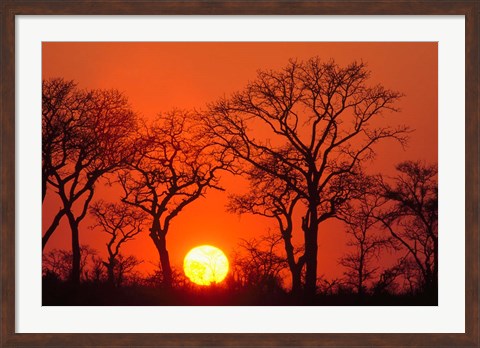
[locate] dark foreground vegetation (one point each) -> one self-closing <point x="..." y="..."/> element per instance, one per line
<point x="57" y="293"/>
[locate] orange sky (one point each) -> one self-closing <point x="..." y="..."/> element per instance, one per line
<point x="160" y="76"/>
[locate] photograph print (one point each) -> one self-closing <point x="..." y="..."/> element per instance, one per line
<point x="239" y="174"/>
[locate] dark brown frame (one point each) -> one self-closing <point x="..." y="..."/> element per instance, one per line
<point x="10" y="8"/>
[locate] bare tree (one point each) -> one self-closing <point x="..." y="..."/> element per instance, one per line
<point x="86" y="136"/>
<point x="59" y="262"/>
<point x="412" y="219"/>
<point x="388" y="281"/>
<point x="97" y="270"/>
<point x="58" y="99"/>
<point x="260" y="264"/>
<point x="175" y="165"/>
<point x="122" y="223"/>
<point x="317" y="120"/>
<point x="270" y="197"/>
<point x="329" y="287"/>
<point x="124" y="267"/>
<point x="366" y="238"/>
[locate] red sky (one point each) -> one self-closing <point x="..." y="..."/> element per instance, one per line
<point x="157" y="77"/>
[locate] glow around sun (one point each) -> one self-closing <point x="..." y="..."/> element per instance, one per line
<point x="205" y="265"/>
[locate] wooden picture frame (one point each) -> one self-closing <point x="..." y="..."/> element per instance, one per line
<point x="10" y="9"/>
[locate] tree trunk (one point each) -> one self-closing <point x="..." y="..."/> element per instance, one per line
<point x="431" y="289"/>
<point x="295" y="267"/>
<point x="75" y="272"/>
<point x="296" y="280"/>
<point x="310" y="230"/>
<point x="311" y="250"/>
<point x="360" y="278"/>
<point x="159" y="239"/>
<point x="111" y="274"/>
<point x="44" y="185"/>
<point x="435" y="266"/>
<point x="119" y="279"/>
<point x="52" y="228"/>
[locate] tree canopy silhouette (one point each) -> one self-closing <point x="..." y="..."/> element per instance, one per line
<point x="175" y="164"/>
<point x="315" y="121"/>
<point x="122" y="223"/>
<point x="85" y="135"/>
<point x="271" y="197"/>
<point x="259" y="264"/>
<point x="412" y="219"/>
<point x="58" y="262"/>
<point x="367" y="239"/>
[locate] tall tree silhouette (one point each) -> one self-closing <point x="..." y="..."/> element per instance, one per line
<point x="175" y="165"/>
<point x="270" y="197"/>
<point x="59" y="102"/>
<point x="413" y="217"/>
<point x="122" y="223"/>
<point x="317" y="120"/>
<point x="58" y="99"/>
<point x="86" y="135"/>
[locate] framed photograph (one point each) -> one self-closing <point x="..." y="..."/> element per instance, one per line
<point x="236" y="173"/>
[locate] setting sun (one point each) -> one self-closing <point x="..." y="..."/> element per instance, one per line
<point x="205" y="265"/>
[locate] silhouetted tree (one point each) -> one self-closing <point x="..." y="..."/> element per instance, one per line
<point x="97" y="271"/>
<point x="59" y="102"/>
<point x="155" y="278"/>
<point x="175" y="165"/>
<point x="95" y="128"/>
<point x="329" y="287"/>
<point x="270" y="197"/>
<point x="122" y="223"/>
<point x="316" y="120"/>
<point x="59" y="262"/>
<point x="58" y="98"/>
<point x="365" y="237"/>
<point x="123" y="267"/>
<point x="413" y="217"/>
<point x="259" y="264"/>
<point x="387" y="281"/>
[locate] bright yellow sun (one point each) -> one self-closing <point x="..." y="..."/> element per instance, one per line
<point x="205" y="265"/>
